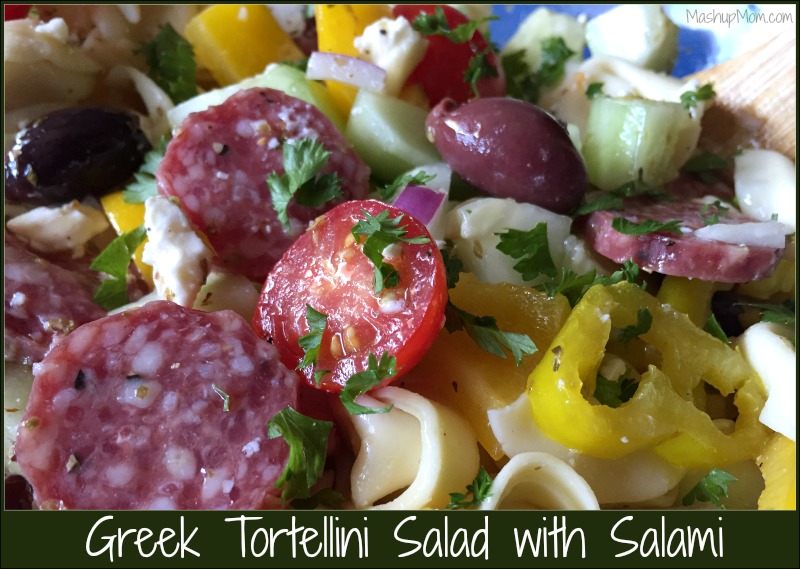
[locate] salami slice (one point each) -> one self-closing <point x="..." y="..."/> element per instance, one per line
<point x="43" y="301"/>
<point x="124" y="414"/>
<point x="218" y="163"/>
<point x="684" y="254"/>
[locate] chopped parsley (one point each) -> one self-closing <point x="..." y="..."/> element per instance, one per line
<point x="555" y="54"/>
<point x="705" y="165"/>
<point x="302" y="161"/>
<point x="171" y="64"/>
<point x="710" y="213"/>
<point x="614" y="393"/>
<point x="436" y="24"/>
<point x="629" y="227"/>
<point x="477" y="492"/>
<point x="689" y="99"/>
<point x="382" y="231"/>
<point x="711" y="488"/>
<point x="479" y="67"/>
<point x="525" y="84"/>
<point x="388" y="191"/>
<point x="532" y="250"/>
<point x="226" y="399"/>
<point x="301" y="64"/>
<point x="613" y="200"/>
<point x="643" y="322"/>
<point x="114" y="260"/>
<point x="308" y="444"/>
<point x="145" y="185"/>
<point x="310" y="342"/>
<point x="604" y="202"/>
<point x="573" y="285"/>
<point x="452" y="267"/>
<point x="361" y="382"/>
<point x="594" y="90"/>
<point x="713" y="327"/>
<point x="484" y="331"/>
<point x="775" y="313"/>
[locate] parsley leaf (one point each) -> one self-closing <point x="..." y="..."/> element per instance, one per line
<point x="525" y="84"/>
<point x="712" y="327"/>
<point x="388" y="191"/>
<point x="308" y="445"/>
<point x="777" y="313"/>
<point x="310" y="342"/>
<point x="145" y="184"/>
<point x="114" y="260"/>
<point x="647" y="226"/>
<point x="710" y="213"/>
<point x="711" y="488"/>
<point x="594" y="90"/>
<point x="614" y="393"/>
<point x="327" y="498"/>
<point x="382" y="231"/>
<point x="613" y="200"/>
<point x="302" y="161"/>
<point x="301" y="64"/>
<point x="436" y="24"/>
<point x="604" y="202"/>
<point x="555" y="54"/>
<point x="361" y="382"/>
<point x="704" y="165"/>
<point x="571" y="285"/>
<point x="479" y="67"/>
<point x="452" y="267"/>
<point x="643" y="322"/>
<point x="689" y="99"/>
<point x="170" y="59"/>
<point x="629" y="272"/>
<point x="479" y="490"/>
<point x="226" y="399"/>
<point x="483" y="330"/>
<point x="532" y="250"/>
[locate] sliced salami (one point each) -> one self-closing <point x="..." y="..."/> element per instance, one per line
<point x="129" y="412"/>
<point x="684" y="254"/>
<point x="43" y="301"/>
<point x="218" y="163"/>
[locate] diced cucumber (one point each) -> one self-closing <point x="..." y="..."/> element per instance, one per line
<point x="284" y="78"/>
<point x="389" y="135"/>
<point x="649" y="40"/>
<point x="626" y="138"/>
<point x="540" y="25"/>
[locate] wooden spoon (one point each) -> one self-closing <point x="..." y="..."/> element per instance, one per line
<point x="756" y="102"/>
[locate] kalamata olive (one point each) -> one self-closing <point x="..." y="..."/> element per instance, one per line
<point x="71" y="153"/>
<point x="18" y="493"/>
<point x="509" y="149"/>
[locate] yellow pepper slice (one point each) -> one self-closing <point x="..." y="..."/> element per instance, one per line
<point x="778" y="465"/>
<point x="662" y="414"/>
<point x="123" y="217"/>
<point x="337" y="26"/>
<point x="236" y="41"/>
<point x="690" y="296"/>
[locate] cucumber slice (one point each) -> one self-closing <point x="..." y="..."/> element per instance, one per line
<point x="650" y="39"/>
<point x="389" y="135"/>
<point x="281" y="77"/>
<point x="628" y="138"/>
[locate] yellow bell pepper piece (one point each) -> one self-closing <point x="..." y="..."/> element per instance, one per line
<point x="236" y="41"/>
<point x="779" y="468"/>
<point x="123" y="217"/>
<point x="337" y="26"/>
<point x="690" y="296"/>
<point x="661" y="415"/>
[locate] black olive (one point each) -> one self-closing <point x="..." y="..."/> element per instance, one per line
<point x="18" y="493"/>
<point x="71" y="153"/>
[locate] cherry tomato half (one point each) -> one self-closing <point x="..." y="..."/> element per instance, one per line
<point x="15" y="11"/>
<point x="327" y="269"/>
<point x="441" y="71"/>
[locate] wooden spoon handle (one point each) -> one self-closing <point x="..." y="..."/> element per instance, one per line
<point x="756" y="102"/>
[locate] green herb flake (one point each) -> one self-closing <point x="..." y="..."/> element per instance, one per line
<point x="532" y="250"/>
<point x="485" y="333"/>
<point x="711" y="488"/>
<point x="643" y="322"/>
<point x="479" y="67"/>
<point x="452" y="266"/>
<point x="301" y="64"/>
<point x="521" y="82"/>
<point x="477" y="492"/>
<point x="382" y="231"/>
<point x="614" y="393"/>
<point x="114" y="260"/>
<point x="310" y="343"/>
<point x="361" y="382"/>
<point x="226" y="399"/>
<point x="776" y="313"/>
<point x="171" y="64"/>
<point x="712" y="327"/>
<point x="710" y="213"/>
<point x="604" y="202"/>
<point x="555" y="54"/>
<point x="436" y="24"/>
<point x="705" y="165"/>
<point x="387" y="192"/>
<point x="645" y="227"/>
<point x="308" y="445"/>
<point x="594" y="90"/>
<point x="302" y="161"/>
<point x="571" y="285"/>
<point x="689" y="99"/>
<point x="145" y="185"/>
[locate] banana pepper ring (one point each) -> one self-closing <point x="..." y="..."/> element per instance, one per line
<point x="663" y="414"/>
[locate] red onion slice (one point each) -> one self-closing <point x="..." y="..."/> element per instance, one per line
<point x="351" y="70"/>
<point x="423" y="204"/>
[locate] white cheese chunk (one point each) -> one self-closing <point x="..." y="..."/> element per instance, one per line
<point x="58" y="229"/>
<point x="766" y="184"/>
<point x="179" y="258"/>
<point x="394" y="45"/>
<point x="756" y="234"/>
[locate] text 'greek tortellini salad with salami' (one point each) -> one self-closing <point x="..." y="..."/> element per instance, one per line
<point x="361" y="256"/>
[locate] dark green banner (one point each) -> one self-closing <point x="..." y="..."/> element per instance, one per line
<point x="400" y="539"/>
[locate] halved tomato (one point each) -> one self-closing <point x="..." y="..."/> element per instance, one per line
<point x="327" y="269"/>
<point x="15" y="11"/>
